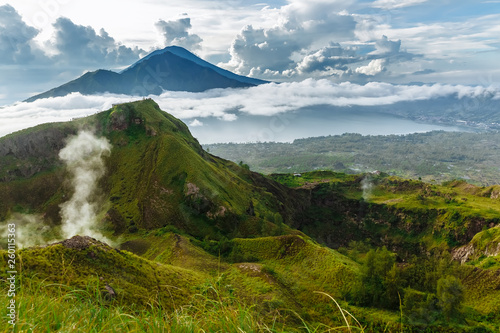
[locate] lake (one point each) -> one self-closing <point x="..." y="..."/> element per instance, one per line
<point x="308" y="122"/>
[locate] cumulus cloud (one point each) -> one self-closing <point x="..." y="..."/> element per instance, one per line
<point x="314" y="39"/>
<point x="386" y="46"/>
<point x="29" y="65"/>
<point x="78" y="44"/>
<point x="391" y="50"/>
<point x="257" y="50"/>
<point x="16" y="38"/>
<point x="373" y="68"/>
<point x="175" y="32"/>
<point x="226" y="104"/>
<point x="327" y="58"/>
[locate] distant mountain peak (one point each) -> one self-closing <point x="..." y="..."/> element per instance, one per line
<point x="171" y="68"/>
<point x="147" y="57"/>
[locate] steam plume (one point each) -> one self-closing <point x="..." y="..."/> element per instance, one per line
<point x="83" y="156"/>
<point x="30" y="230"/>
<point x="367" y="187"/>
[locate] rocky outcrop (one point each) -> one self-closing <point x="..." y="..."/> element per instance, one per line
<point x="22" y="156"/>
<point x="492" y="250"/>
<point x="42" y="143"/>
<point x="82" y="242"/>
<point x="471" y="252"/>
<point x="464" y="253"/>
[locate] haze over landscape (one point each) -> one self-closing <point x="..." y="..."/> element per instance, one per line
<point x="244" y="166"/>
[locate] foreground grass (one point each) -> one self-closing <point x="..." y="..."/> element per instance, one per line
<point x="45" y="307"/>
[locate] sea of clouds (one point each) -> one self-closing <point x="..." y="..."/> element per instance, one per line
<point x="263" y="100"/>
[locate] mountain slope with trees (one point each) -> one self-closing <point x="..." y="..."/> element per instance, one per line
<point x="199" y="242"/>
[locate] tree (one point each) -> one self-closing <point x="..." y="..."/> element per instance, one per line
<point x="244" y="165"/>
<point x="420" y="307"/>
<point x="380" y="280"/>
<point x="450" y="293"/>
<point x="393" y="283"/>
<point x="278" y="220"/>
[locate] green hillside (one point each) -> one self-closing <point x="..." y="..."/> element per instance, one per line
<point x="157" y="176"/>
<point x="199" y="243"/>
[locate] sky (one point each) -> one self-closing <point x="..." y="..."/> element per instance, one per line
<point x="312" y="44"/>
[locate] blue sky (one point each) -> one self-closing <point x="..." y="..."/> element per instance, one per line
<point x="46" y="43"/>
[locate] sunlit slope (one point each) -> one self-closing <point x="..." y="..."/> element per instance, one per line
<point x="408" y="216"/>
<point x="277" y="288"/>
<point x="157" y="175"/>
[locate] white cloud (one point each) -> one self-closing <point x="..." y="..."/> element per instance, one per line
<point x="386" y="46"/>
<point x="268" y="100"/>
<point x="16" y="38"/>
<point x="333" y="56"/>
<point x="79" y="45"/>
<point x="300" y="26"/>
<point x="394" y="4"/>
<point x="373" y="68"/>
<point x="441" y="40"/>
<point x="196" y="123"/>
<point x="175" y="32"/>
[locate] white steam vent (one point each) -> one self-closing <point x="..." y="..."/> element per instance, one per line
<point x="367" y="187"/>
<point x="83" y="156"/>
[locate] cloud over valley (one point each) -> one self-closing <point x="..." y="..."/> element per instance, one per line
<point x="229" y="104"/>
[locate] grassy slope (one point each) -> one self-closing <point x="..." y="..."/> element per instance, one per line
<point x="400" y="211"/>
<point x="279" y="285"/>
<point x="412" y="217"/>
<point x="154" y="160"/>
<point x="158" y="175"/>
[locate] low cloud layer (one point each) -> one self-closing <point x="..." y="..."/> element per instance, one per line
<point x="227" y="103"/>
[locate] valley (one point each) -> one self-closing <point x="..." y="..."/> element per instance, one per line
<point x="434" y="157"/>
<point x="197" y="242"/>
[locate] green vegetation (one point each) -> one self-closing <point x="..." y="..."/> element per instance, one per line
<point x="157" y="175"/>
<point x="434" y="156"/>
<point x="213" y="309"/>
<point x="205" y="244"/>
<point x="67" y="285"/>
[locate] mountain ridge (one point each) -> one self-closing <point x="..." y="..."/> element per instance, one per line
<point x="155" y="159"/>
<point x="183" y="53"/>
<point x="172" y="68"/>
<point x="185" y="219"/>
